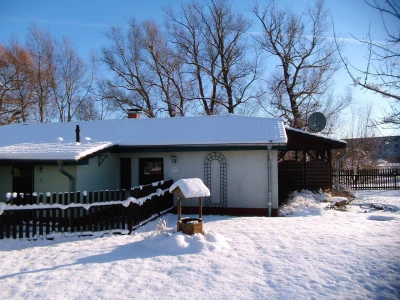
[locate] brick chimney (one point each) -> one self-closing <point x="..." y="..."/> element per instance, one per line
<point x="133" y="113"/>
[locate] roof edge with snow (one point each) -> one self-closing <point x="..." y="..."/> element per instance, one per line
<point x="325" y="142"/>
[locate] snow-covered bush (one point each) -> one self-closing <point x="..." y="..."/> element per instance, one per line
<point x="161" y="227"/>
<point x="344" y="191"/>
<point x="305" y="203"/>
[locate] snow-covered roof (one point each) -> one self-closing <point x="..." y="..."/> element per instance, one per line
<point x="51" y="151"/>
<point x="191" y="187"/>
<point x="315" y="135"/>
<point x="56" y="141"/>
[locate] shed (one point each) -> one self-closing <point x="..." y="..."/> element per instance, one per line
<point x="305" y="162"/>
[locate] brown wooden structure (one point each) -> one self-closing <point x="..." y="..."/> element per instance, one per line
<point x="92" y="212"/>
<point x="188" y="225"/>
<point x="305" y="162"/>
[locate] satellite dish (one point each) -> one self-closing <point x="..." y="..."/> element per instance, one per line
<point x="317" y="121"/>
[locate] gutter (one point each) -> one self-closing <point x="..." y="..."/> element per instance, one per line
<point x="269" y="170"/>
<point x="70" y="177"/>
<point x="203" y="145"/>
<point x="337" y="168"/>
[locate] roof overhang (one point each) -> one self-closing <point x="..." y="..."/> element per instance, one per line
<point x="196" y="147"/>
<point x="302" y="140"/>
<point x="146" y="148"/>
<point x="83" y="160"/>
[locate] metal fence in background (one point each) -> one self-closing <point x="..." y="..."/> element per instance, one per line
<point x="369" y="179"/>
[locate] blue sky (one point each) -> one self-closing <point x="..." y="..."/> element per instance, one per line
<point x="83" y="21"/>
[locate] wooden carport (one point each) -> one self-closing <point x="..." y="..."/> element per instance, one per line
<point x="305" y="162"/>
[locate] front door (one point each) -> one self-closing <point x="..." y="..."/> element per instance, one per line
<point x="125" y="173"/>
<point x="22" y="179"/>
<point x="151" y="170"/>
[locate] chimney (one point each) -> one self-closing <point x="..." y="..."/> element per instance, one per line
<point x="133" y="113"/>
<point x="78" y="134"/>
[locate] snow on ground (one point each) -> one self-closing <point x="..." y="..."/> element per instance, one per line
<point x="314" y="253"/>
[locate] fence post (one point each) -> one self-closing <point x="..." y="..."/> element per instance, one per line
<point x="96" y="209"/>
<point x="47" y="214"/>
<point x="124" y="211"/>
<point x="107" y="210"/>
<point x="101" y="211"/>
<point x="72" y="212"/>
<point x="67" y="212"/>
<point x="2" y="226"/>
<point x="90" y="222"/>
<point x="80" y="213"/>
<point x="85" y="213"/>
<point x="53" y="213"/>
<point x="130" y="217"/>
<point x="60" y="212"/>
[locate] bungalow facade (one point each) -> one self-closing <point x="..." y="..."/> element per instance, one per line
<point x="235" y="156"/>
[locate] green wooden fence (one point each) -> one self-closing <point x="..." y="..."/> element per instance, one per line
<point x="43" y="215"/>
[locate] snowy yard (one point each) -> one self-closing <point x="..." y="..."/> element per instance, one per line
<point x="314" y="253"/>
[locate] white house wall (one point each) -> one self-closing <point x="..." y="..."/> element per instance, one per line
<point x="247" y="174"/>
<point x="93" y="177"/>
<point x="48" y="178"/>
<point x="5" y="181"/>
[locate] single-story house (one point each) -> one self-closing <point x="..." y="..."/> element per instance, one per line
<point x="236" y="157"/>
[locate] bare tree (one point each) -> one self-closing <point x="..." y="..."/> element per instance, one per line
<point x="133" y="81"/>
<point x="361" y="144"/>
<point x="306" y="61"/>
<point x="40" y="44"/>
<point x="381" y="72"/>
<point x="168" y="67"/>
<point x="71" y="84"/>
<point x="148" y="73"/>
<point x="185" y="32"/>
<point x="212" y="38"/>
<point x="16" y="89"/>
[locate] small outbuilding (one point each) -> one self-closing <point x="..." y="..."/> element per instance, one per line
<point x="305" y="162"/>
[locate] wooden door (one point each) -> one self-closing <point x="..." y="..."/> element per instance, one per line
<point x="151" y="170"/>
<point x="125" y="173"/>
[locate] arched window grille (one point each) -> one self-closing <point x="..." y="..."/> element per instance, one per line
<point x="223" y="174"/>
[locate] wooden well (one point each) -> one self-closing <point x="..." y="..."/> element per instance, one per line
<point x="190" y="225"/>
<point x="188" y="189"/>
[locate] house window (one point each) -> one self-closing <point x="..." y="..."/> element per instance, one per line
<point x="22" y="179"/>
<point x="151" y="170"/>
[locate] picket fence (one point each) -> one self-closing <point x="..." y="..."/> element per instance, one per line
<point x="46" y="215"/>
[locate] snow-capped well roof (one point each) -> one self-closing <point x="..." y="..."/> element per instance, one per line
<point x="56" y="141"/>
<point x="191" y="187"/>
